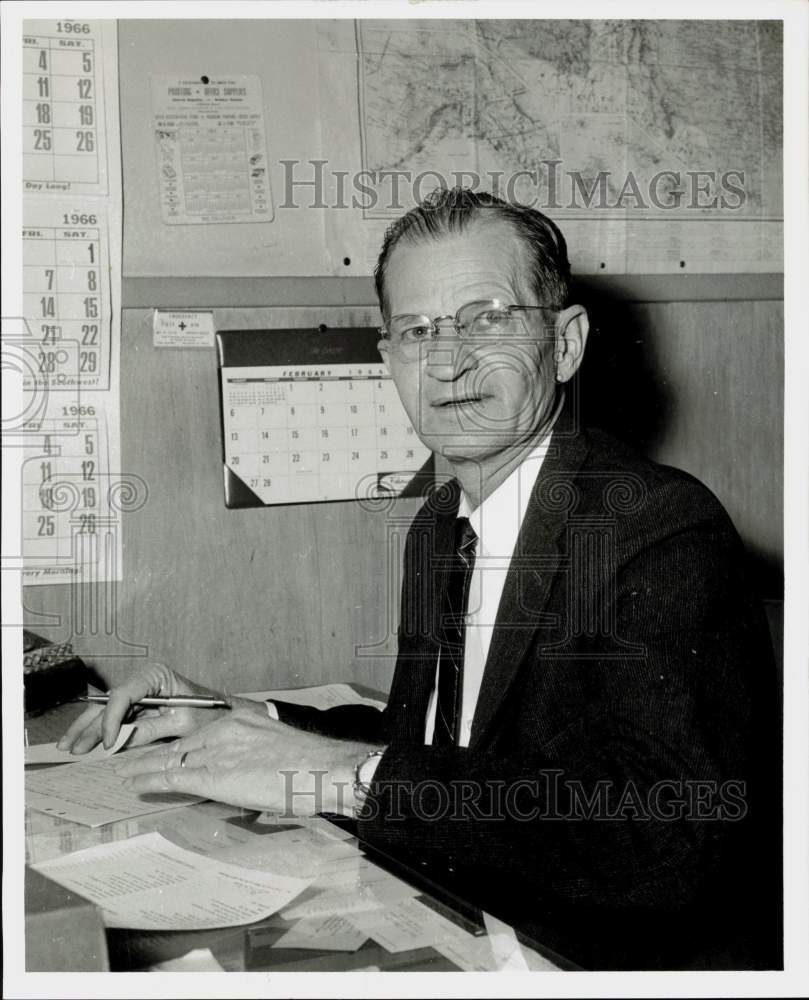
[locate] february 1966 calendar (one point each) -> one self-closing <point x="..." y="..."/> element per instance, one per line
<point x="311" y="416"/>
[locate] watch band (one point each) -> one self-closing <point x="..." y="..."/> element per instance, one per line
<point x="363" y="774"/>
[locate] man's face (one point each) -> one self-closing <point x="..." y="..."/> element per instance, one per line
<point x="480" y="399"/>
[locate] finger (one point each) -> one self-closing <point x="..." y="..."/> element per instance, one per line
<point x="160" y="759"/>
<point x="187" y="780"/>
<point x="215" y="733"/>
<point x="234" y="728"/>
<point x="149" y="681"/>
<point x="195" y="740"/>
<point x="77" y="727"/>
<point x="155" y="727"/>
<point x="119" y="704"/>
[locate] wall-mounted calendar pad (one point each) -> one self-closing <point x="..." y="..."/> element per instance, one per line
<point x="312" y="416"/>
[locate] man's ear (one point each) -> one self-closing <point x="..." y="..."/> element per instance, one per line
<point x="383" y="346"/>
<point x="572" y="327"/>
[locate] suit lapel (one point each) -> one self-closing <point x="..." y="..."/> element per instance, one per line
<point x="534" y="565"/>
<point x="426" y="568"/>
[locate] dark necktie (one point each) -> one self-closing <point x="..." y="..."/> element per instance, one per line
<point x="453" y="635"/>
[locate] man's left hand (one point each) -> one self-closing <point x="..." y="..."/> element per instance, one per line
<point x="255" y="763"/>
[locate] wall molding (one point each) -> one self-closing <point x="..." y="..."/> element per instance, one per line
<point x="188" y="293"/>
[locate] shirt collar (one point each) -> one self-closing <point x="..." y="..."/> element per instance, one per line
<point x="497" y="520"/>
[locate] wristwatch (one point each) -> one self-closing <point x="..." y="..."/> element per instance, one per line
<point x="364" y="773"/>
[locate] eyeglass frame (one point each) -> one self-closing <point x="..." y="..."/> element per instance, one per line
<point x="436" y="324"/>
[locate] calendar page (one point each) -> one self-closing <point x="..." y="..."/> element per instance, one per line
<point x="68" y="516"/>
<point x="310" y="432"/>
<point x="74" y="492"/>
<point x="67" y="293"/>
<point x="65" y="108"/>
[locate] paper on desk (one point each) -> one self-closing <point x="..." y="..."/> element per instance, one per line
<point x="148" y="883"/>
<point x="352" y="872"/>
<point x="320" y="696"/>
<point x="46" y="753"/>
<point x="469" y="953"/>
<point x="198" y="960"/>
<point x="328" y="933"/>
<point x="93" y="794"/>
<point x="410" y="924"/>
<point x="328" y="829"/>
<point x="510" y="955"/>
<point x="66" y="838"/>
<point x="397" y="928"/>
<point x="354" y="900"/>
<point x="289" y="852"/>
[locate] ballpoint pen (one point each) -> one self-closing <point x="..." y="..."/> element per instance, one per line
<point x="169" y="701"/>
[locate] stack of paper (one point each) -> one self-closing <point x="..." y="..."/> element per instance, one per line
<point x="46" y="753"/>
<point x="93" y="794"/>
<point x="148" y="883"/>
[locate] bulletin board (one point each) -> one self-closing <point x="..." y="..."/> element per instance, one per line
<point x="650" y="143"/>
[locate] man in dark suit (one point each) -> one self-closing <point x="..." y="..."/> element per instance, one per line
<point x="580" y="734"/>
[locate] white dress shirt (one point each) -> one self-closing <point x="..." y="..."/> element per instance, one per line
<point x="497" y="523"/>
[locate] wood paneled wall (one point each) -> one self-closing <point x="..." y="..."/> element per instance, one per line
<point x="699" y="385"/>
<point x="287" y="595"/>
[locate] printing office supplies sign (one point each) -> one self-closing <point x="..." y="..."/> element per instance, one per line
<point x="211" y="149"/>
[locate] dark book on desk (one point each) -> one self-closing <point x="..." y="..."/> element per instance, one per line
<point x="52" y="673"/>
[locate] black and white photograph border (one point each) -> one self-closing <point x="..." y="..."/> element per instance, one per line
<point x="571" y="197"/>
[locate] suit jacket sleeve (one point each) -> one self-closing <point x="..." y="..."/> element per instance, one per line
<point x="345" y="722"/>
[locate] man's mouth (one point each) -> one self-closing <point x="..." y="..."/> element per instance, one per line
<point x="451" y="401"/>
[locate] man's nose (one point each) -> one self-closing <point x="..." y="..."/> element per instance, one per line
<point x="449" y="356"/>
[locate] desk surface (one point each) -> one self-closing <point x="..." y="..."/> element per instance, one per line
<point x="251" y="947"/>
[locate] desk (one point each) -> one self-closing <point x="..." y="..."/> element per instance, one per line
<point x="252" y="947"/>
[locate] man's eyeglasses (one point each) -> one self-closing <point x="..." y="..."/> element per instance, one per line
<point x="482" y="320"/>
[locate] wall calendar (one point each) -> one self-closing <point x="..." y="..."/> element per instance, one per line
<point x="311" y="416"/>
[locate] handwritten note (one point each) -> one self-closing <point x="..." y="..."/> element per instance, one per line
<point x="148" y="883"/>
<point x="46" y="753"/>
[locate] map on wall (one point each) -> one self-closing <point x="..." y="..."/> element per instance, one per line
<point x="656" y="145"/>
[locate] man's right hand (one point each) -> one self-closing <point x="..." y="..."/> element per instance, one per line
<point x="102" y="722"/>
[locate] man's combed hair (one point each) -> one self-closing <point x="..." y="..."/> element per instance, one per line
<point x="446" y="211"/>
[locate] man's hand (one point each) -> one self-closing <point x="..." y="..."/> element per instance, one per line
<point x="253" y="762"/>
<point x="102" y="722"/>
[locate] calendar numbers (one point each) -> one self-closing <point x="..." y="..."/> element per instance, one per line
<point x="59" y="106"/>
<point x="64" y="302"/>
<point x="308" y="434"/>
<point x="72" y="28"/>
<point x="61" y="495"/>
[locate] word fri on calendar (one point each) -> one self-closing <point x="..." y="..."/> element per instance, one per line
<point x="312" y="432"/>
